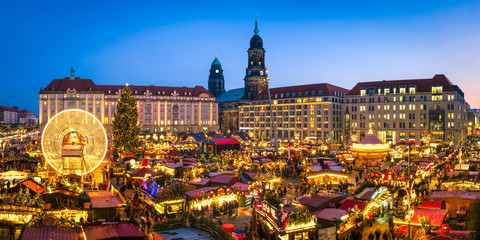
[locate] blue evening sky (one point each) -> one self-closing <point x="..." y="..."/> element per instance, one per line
<point x="172" y="43"/>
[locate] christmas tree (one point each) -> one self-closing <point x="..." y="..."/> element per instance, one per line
<point x="125" y="128"/>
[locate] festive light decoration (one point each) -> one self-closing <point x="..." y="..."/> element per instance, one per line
<point x="73" y="121"/>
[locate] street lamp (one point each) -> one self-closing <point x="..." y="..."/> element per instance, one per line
<point x="409" y="191"/>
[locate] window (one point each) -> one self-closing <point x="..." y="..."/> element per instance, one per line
<point x="412" y="89"/>
<point x="363" y="92"/>
<point x="437" y="89"/>
<point x="437" y="98"/>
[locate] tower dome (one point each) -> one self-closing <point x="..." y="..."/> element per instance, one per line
<point x="256" y="41"/>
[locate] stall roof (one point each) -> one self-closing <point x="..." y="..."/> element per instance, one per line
<point x="453" y="194"/>
<point x="223" y="179"/>
<point x="199" y="181"/>
<point x="318" y="200"/>
<point x="366" y="194"/>
<point x="350" y="203"/>
<point x="204" y="189"/>
<point x="104" y="199"/>
<point x="143" y="171"/>
<point x="114" y="231"/>
<point x="190" y="159"/>
<point x="224" y="141"/>
<point x="252" y="175"/>
<point x="242" y="186"/>
<point x="30" y="184"/>
<point x="214" y="174"/>
<point x="431" y="204"/>
<point x="50" y="233"/>
<point x="331" y="214"/>
<point x="435" y="216"/>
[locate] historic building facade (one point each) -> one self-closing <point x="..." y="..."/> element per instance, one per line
<point x="299" y="112"/>
<point x="161" y="109"/>
<point x="419" y="110"/>
<point x="216" y="81"/>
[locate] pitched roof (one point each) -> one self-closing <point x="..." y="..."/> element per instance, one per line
<point x="370" y="138"/>
<point x="26" y="113"/>
<point x="223" y="179"/>
<point x="114" y="231"/>
<point x="318" y="200"/>
<point x="9" y="109"/>
<point x="204" y="189"/>
<point x="350" y="203"/>
<point x="320" y="89"/>
<point x="423" y="85"/>
<point x="224" y="141"/>
<point x="431" y="204"/>
<point x="454" y="193"/>
<point x="242" y="186"/>
<point x="49" y="232"/>
<point x="80" y="84"/>
<point x="331" y="214"/>
<point x="435" y="216"/>
<point x="366" y="194"/>
<point x="29" y="183"/>
<point x="199" y="181"/>
<point x="232" y="95"/>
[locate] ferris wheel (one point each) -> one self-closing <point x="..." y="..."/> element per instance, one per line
<point x="74" y="142"/>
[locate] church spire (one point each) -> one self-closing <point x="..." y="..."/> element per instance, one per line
<point x="256" y="31"/>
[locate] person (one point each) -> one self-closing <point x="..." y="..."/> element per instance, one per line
<point x="236" y="208"/>
<point x="245" y="231"/>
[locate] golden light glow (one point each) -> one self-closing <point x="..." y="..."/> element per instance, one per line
<point x="79" y="121"/>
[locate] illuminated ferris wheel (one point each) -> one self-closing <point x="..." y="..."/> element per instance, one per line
<point x="74" y="142"/>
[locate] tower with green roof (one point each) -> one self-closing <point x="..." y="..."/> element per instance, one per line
<point x="256" y="78"/>
<point x="216" y="81"/>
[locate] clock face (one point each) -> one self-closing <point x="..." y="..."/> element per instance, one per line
<point x="249" y="73"/>
<point x="261" y="72"/>
<point x="217" y="71"/>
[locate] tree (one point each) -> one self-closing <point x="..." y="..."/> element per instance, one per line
<point x="125" y="128"/>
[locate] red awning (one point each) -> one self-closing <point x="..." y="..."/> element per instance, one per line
<point x="435" y="216"/>
<point x="431" y="204"/>
<point x="350" y="203"/>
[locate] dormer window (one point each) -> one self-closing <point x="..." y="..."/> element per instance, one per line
<point x="437" y="89"/>
<point x="403" y="89"/>
<point x="412" y="89"/>
<point x="363" y="92"/>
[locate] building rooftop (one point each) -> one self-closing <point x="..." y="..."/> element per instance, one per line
<point x="310" y="90"/>
<point x="232" y="95"/>
<point x="422" y="85"/>
<point x="79" y="84"/>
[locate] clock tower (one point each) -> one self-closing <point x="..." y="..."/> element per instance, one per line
<point x="256" y="78"/>
<point x="216" y="82"/>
